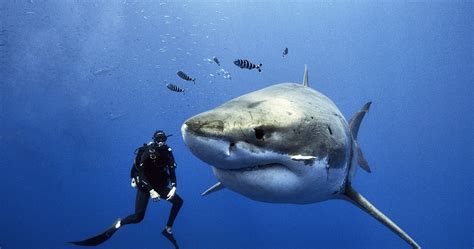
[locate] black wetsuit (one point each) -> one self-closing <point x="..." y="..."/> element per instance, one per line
<point x="154" y="168"/>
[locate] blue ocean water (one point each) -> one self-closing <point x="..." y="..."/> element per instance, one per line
<point x="82" y="85"/>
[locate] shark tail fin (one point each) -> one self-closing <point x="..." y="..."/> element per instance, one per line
<point x="354" y="125"/>
<point x="357" y="199"/>
<point x="305" y="77"/>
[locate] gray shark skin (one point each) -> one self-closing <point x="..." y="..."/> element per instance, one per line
<point x="286" y="143"/>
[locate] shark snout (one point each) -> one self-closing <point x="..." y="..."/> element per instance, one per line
<point x="207" y="141"/>
<point x="204" y="125"/>
<point x="204" y="138"/>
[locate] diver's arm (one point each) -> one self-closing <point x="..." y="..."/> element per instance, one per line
<point x="138" y="155"/>
<point x="144" y="181"/>
<point x="133" y="173"/>
<point x="173" y="176"/>
<point x="133" y="170"/>
<point x="141" y="176"/>
<point x="172" y="173"/>
<point x="140" y="169"/>
<point x="171" y="168"/>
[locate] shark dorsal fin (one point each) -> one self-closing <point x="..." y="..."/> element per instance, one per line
<point x="305" y="77"/>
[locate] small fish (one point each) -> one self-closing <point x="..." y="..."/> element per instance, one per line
<point x="113" y="116"/>
<point x="103" y="71"/>
<point x="216" y="61"/>
<point x="184" y="76"/>
<point x="285" y="52"/>
<point x="224" y="74"/>
<point x="174" y="88"/>
<point x="247" y="64"/>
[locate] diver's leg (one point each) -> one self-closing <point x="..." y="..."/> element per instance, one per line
<point x="177" y="202"/>
<point x="141" y="202"/>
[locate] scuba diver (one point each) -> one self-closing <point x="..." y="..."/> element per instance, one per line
<point x="153" y="175"/>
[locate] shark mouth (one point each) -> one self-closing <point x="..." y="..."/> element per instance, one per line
<point x="258" y="167"/>
<point x="235" y="156"/>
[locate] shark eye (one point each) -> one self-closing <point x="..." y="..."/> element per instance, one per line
<point x="259" y="133"/>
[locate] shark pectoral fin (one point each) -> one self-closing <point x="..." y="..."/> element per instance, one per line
<point x="355" y="121"/>
<point x="357" y="199"/>
<point x="354" y="125"/>
<point x="216" y="187"/>
<point x="302" y="158"/>
<point x="361" y="160"/>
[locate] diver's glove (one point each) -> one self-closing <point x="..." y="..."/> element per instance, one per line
<point x="133" y="183"/>
<point x="154" y="195"/>
<point x="171" y="193"/>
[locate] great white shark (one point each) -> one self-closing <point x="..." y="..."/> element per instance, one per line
<point x="286" y="143"/>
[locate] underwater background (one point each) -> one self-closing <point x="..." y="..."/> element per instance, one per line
<point x="83" y="84"/>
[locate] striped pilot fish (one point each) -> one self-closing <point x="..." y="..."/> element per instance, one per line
<point x="174" y="88"/>
<point x="216" y="60"/>
<point x="247" y="64"/>
<point x="184" y="76"/>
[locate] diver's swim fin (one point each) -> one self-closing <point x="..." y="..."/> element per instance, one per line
<point x="170" y="237"/>
<point x="98" y="239"/>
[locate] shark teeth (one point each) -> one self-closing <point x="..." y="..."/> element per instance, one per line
<point x="302" y="158"/>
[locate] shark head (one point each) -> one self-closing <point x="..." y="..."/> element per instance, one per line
<point x="285" y="143"/>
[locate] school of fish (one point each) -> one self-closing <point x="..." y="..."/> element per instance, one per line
<point x="241" y="63"/>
